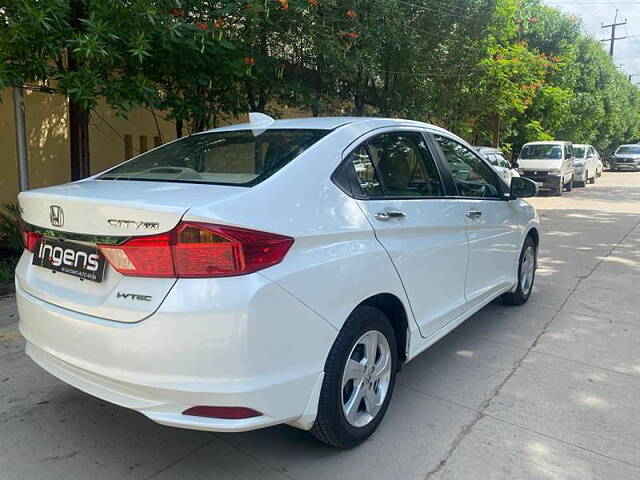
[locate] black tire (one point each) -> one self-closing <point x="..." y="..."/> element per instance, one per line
<point x="519" y="296"/>
<point x="570" y="185"/>
<point x="331" y="426"/>
<point x="592" y="180"/>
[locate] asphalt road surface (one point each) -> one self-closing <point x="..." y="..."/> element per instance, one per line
<point x="548" y="390"/>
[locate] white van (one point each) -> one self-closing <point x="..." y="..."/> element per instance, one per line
<point x="550" y="164"/>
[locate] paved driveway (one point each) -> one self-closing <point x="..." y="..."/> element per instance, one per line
<point x="545" y="391"/>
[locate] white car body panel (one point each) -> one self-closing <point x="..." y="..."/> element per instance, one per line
<point x="259" y="340"/>
<point x="89" y="204"/>
<point x="432" y="237"/>
<point x="506" y="173"/>
<point x="588" y="166"/>
<point x="493" y="245"/>
<point x="540" y="164"/>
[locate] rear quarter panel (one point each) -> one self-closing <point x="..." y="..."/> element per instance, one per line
<point x="336" y="261"/>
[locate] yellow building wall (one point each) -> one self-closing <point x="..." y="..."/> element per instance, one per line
<point x="48" y="139"/>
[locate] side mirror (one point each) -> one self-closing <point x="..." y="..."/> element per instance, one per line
<point x="522" y="187"/>
<point x="515" y="164"/>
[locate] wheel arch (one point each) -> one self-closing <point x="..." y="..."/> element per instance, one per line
<point x="396" y="312"/>
<point x="535" y="236"/>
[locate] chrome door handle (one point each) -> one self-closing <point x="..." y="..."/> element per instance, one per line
<point x="474" y="214"/>
<point x="386" y="215"/>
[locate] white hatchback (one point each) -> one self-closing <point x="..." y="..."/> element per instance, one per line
<point x="272" y="272"/>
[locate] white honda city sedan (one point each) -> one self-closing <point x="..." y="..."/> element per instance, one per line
<point x="271" y="272"/>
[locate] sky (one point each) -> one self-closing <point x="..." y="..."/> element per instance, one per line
<point x="595" y="13"/>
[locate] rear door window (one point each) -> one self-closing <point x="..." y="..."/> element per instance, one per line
<point x="405" y="165"/>
<point x="227" y="158"/>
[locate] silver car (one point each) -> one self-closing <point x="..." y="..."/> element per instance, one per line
<point x="626" y="157"/>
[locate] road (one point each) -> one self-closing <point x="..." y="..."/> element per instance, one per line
<point x="548" y="390"/>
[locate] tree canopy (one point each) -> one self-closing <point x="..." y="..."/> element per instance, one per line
<point x="493" y="71"/>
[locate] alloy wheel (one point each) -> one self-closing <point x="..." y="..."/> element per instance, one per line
<point x="366" y="378"/>
<point x="527" y="270"/>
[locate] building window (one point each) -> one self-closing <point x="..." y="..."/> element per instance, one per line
<point x="143" y="144"/>
<point x="128" y="147"/>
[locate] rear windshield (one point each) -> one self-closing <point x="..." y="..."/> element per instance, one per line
<point x="579" y="151"/>
<point x="629" y="149"/>
<point x="227" y="158"/>
<point x="551" y="152"/>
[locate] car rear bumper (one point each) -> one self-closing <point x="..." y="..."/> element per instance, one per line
<point x="258" y="348"/>
<point x="625" y="166"/>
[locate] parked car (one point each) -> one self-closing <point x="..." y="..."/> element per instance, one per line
<point x="499" y="162"/>
<point x="271" y="272"/>
<point x="626" y="157"/>
<point x="550" y="164"/>
<point x="586" y="162"/>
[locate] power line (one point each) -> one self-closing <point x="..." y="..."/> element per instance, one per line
<point x="437" y="10"/>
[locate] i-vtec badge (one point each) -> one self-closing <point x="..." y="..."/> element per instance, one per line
<point x="133" y="224"/>
<point x="134" y="296"/>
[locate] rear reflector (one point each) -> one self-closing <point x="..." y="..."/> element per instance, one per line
<point x="229" y="413"/>
<point x="198" y="250"/>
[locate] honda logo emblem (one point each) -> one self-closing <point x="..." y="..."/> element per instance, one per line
<point x="56" y="216"/>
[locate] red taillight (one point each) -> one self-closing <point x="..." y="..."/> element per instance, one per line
<point x="195" y="250"/>
<point x="229" y="413"/>
<point x="29" y="239"/>
<point x="143" y="256"/>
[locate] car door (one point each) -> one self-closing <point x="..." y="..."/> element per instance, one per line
<point x="598" y="160"/>
<point x="492" y="235"/>
<point x="592" y="161"/>
<point x="421" y="228"/>
<point x="568" y="162"/>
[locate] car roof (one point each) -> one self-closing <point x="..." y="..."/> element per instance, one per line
<point x="548" y="142"/>
<point x="488" y="149"/>
<point x="629" y="145"/>
<point x="331" y="123"/>
<point x="582" y="145"/>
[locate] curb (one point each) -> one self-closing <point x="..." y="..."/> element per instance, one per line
<point x="7" y="289"/>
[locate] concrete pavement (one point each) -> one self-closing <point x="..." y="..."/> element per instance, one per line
<point x="548" y="390"/>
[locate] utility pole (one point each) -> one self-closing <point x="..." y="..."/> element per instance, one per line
<point x="613" y="32"/>
<point x="21" y="139"/>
